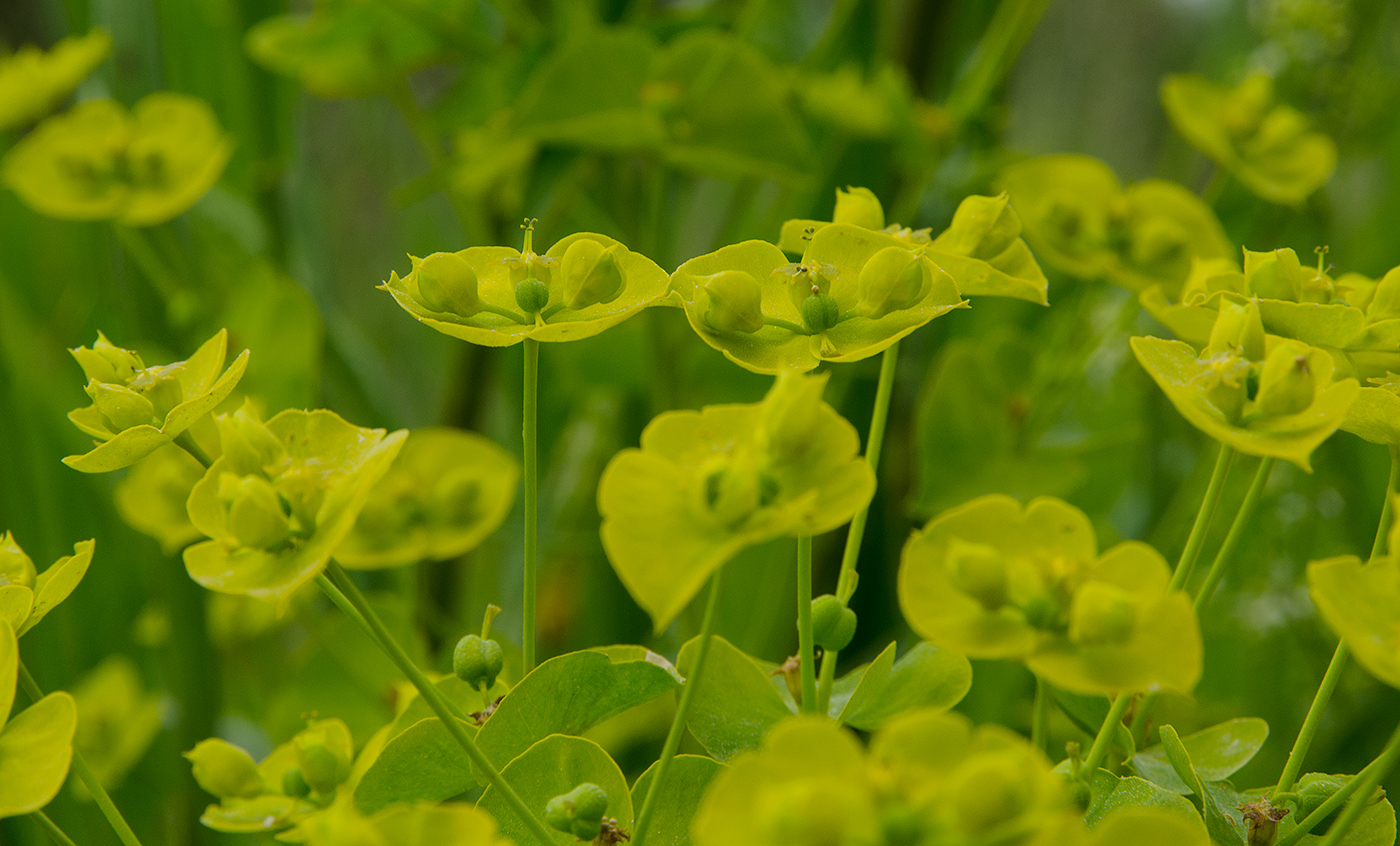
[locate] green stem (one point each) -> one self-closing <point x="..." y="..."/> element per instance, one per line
<point x="806" y="652"/>
<point x="1366" y="783"/>
<point x="1099" y="751"/>
<point x="1323" y="811"/>
<point x="846" y="582"/>
<point x="529" y="429"/>
<point x="1232" y="539"/>
<point x="52" y="830"/>
<point x="1197" y="538"/>
<point x="513" y="315"/>
<point x="148" y="259"/>
<point x="85" y="774"/>
<point x="1040" y="715"/>
<point x="795" y="328"/>
<point x="187" y="442"/>
<point x="1010" y="27"/>
<point x="673" y="737"/>
<point x="445" y="711"/>
<point x="1328" y="686"/>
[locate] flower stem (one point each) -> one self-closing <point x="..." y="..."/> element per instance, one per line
<point x="1328" y="686"/>
<point x="673" y="737"/>
<point x="136" y="245"/>
<point x="846" y="582"/>
<point x="1232" y="539"/>
<point x="450" y="715"/>
<point x="1040" y="715"/>
<point x="187" y="442"/>
<point x="1366" y="783"/>
<point x="806" y="651"/>
<point x="1099" y="751"/>
<point x="529" y="430"/>
<point x="52" y="830"/>
<point x="1323" y="811"/>
<point x="85" y="774"/>
<point x="1197" y="538"/>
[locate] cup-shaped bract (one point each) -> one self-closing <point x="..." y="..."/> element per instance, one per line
<point x="1227" y="396"/>
<point x="136" y="409"/>
<point x="33" y="81"/>
<point x="1267" y="145"/>
<point x="281" y="499"/>
<point x="706" y="484"/>
<point x="1361" y="602"/>
<point x="99" y="162"/>
<point x="521" y="294"/>
<point x="815" y="310"/>
<point x="117" y="720"/>
<point x="26" y="600"/>
<point x="1080" y="219"/>
<point x="36" y="744"/>
<point x="444" y="494"/>
<point x="995" y="580"/>
<point x="151" y="499"/>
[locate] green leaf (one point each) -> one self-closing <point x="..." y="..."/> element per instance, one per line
<point x="1361" y="602"/>
<point x="924" y="677"/>
<point x="570" y="694"/>
<point x="1374" y="416"/>
<point x="55" y="584"/>
<point x="36" y="744"/>
<point x="553" y="766"/>
<point x="1110" y="794"/>
<point x="678" y="799"/>
<point x="735" y="703"/>
<point x="1148" y="827"/>
<point x="1375" y="827"/>
<point x="1088" y="713"/>
<point x="261" y="813"/>
<point x="1217" y="752"/>
<point x="422" y="763"/>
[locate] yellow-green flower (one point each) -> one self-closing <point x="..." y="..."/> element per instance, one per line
<point x="117" y="720"/>
<point x="1080" y="219"/>
<point x="1361" y="602"/>
<point x="706" y="484"/>
<point x="138" y="168"/>
<point x="443" y="495"/>
<point x="1266" y="145"/>
<point x="36" y="744"/>
<point x="995" y="580"/>
<point x="499" y="296"/>
<point x="136" y="409"/>
<point x="26" y="597"/>
<point x="33" y="81"/>
<point x="281" y="499"/>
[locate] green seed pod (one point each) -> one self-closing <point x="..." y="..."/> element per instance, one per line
<point x="858" y="207"/>
<point x="982" y="227"/>
<point x="294" y="784"/>
<point x="532" y="295"/>
<point x="591" y="274"/>
<point x="16" y="568"/>
<point x="820" y="312"/>
<point x="255" y="514"/>
<point x="324" y="758"/>
<point x="1286" y="384"/>
<point x="729" y="490"/>
<point x="990" y="791"/>
<point x="892" y="280"/>
<point x="121" y="407"/>
<point x="833" y="624"/>
<point x="1101" y="615"/>
<point x="446" y="282"/>
<point x="107" y="362"/>
<point x="578" y="812"/>
<point x="477" y="661"/>
<point x="734" y="302"/>
<point x="1238" y="331"/>
<point x="806" y="280"/>
<point x="1230" y="373"/>
<point x="978" y="570"/>
<point x="247" y="444"/>
<point x="224" y="770"/>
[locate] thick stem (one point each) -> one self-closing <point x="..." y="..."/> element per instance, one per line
<point x="1232" y="539"/>
<point x="529" y="430"/>
<point x="1366" y="783"/>
<point x="1040" y="715"/>
<point x="445" y="711"/>
<point x="52" y="830"/>
<point x="846" y="582"/>
<point x="1099" y="751"/>
<point x="1197" y="538"/>
<point x="85" y="774"/>
<point x="806" y="652"/>
<point x="187" y="442"/>
<point x="673" y="737"/>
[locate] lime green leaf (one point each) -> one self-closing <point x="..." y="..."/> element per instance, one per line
<point x="1374" y="416"/>
<point x="33" y="81"/>
<point x="551" y="767"/>
<point x="678" y="799"/>
<point x="1375" y="827"/>
<point x="983" y="251"/>
<point x="1361" y="602"/>
<point x="1148" y="827"/>
<point x="56" y="583"/>
<point x="452" y="824"/>
<point x="16" y="601"/>
<point x="924" y="677"/>
<point x="1217" y="752"/>
<point x="570" y="694"/>
<point x="1111" y="795"/>
<point x="262" y="813"/>
<point x="36" y="747"/>
<point x="423" y="763"/>
<point x="735" y="703"/>
<point x="117" y="719"/>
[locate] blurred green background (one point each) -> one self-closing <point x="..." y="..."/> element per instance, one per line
<point x="922" y="101"/>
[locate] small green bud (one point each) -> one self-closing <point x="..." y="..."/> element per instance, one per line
<point x="294" y="784"/>
<point x="159" y="385"/>
<point x="982" y="227"/>
<point x="733" y="302"/>
<point x="1275" y="275"/>
<point x="990" y="791"/>
<point x="446" y="282"/>
<point x="1227" y="389"/>
<point x="833" y="624"/>
<point x="107" y="362"/>
<point x="1237" y="330"/>
<point x="578" y="812"/>
<point x="121" y="407"/>
<point x="591" y="274"/>
<point x="16" y="568"/>
<point x="531" y="295"/>
<point x="224" y="770"/>
<point x="477" y="661"/>
<point x="1101" y="615"/>
<point x="858" y="207"/>
<point x="324" y="755"/>
<point x="247" y="444"/>
<point x="1385" y="302"/>
<point x="1286" y="384"/>
<point x="1261" y="819"/>
<point x="806" y="280"/>
<point x="256" y="517"/>
<point x="790" y="417"/>
<point x="730" y="490"/>
<point x="978" y="570"/>
<point x="820" y="312"/>
<point x="892" y="280"/>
